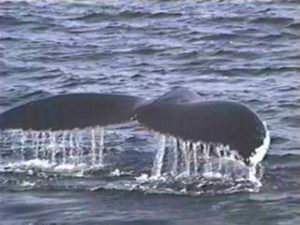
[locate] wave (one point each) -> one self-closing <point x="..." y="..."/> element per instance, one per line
<point x="292" y="121"/>
<point x="92" y="1"/>
<point x="295" y="26"/>
<point x="273" y="20"/>
<point x="125" y="14"/>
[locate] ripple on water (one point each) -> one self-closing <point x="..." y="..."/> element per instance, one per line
<point x="246" y="50"/>
<point x="292" y="121"/>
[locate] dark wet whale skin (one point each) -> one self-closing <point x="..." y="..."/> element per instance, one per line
<point x="180" y="113"/>
<point x="71" y="111"/>
<point x="183" y="114"/>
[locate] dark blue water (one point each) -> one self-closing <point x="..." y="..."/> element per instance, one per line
<point x="246" y="51"/>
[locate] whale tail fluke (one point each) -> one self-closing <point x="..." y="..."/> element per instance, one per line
<point x="180" y="113"/>
<point x="71" y="111"/>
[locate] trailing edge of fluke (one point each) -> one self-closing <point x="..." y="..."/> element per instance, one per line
<point x="181" y="113"/>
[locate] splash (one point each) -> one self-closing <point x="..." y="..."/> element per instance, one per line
<point x="61" y="150"/>
<point x="158" y="161"/>
<point x="178" y="160"/>
<point x="178" y="166"/>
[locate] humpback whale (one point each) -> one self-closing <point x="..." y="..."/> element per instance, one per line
<point x="180" y="113"/>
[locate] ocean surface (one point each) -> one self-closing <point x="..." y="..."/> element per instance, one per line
<point x="246" y="51"/>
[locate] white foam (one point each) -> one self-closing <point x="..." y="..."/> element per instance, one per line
<point x="64" y="167"/>
<point x="38" y="163"/>
<point x="26" y="166"/>
<point x="142" y="178"/>
<point x="116" y="173"/>
<point x="27" y="184"/>
<point x="210" y="174"/>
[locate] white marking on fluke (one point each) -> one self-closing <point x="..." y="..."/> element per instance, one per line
<point x="260" y="152"/>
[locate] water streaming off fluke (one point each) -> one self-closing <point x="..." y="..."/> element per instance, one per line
<point x="172" y="166"/>
<point x="60" y="149"/>
<point x="181" y="159"/>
